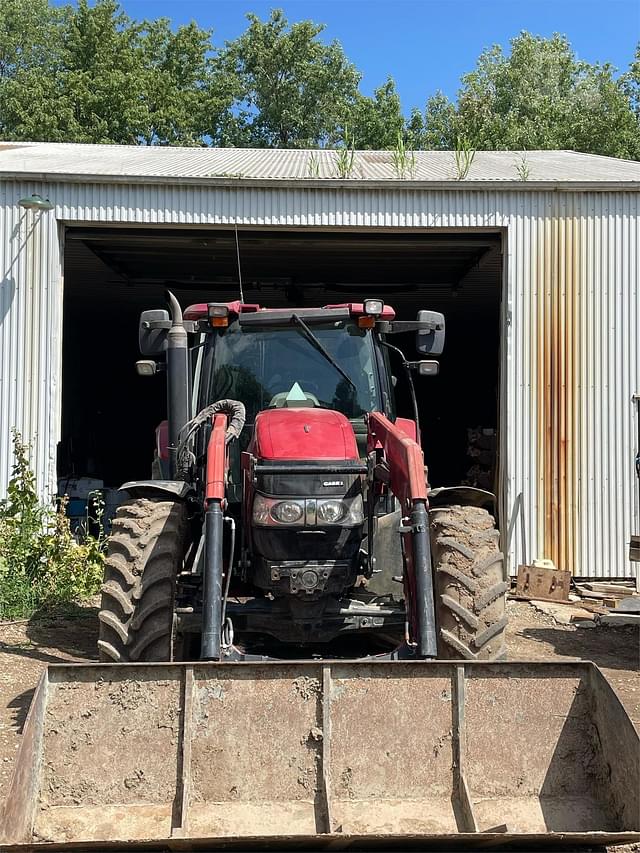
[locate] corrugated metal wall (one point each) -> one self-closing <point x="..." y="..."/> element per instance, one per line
<point x="30" y="333"/>
<point x="571" y="321"/>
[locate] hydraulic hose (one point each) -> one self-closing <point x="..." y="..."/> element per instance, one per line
<point x="234" y="410"/>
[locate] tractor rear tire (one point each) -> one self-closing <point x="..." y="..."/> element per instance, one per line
<point x="144" y="554"/>
<point x="470" y="589"/>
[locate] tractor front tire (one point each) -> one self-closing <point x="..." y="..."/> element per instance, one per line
<point x="470" y="590"/>
<point x="144" y="554"/>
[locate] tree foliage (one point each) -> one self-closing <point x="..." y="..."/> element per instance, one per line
<point x="376" y="122"/>
<point x="539" y="96"/>
<point x="88" y="73"/>
<point x="292" y="90"/>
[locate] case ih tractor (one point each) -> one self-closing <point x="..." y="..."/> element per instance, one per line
<point x="290" y="515"/>
<point x="290" y="518"/>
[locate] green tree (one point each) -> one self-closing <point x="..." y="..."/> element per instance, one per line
<point x="437" y="128"/>
<point x="539" y="96"/>
<point x="292" y="90"/>
<point x="90" y="74"/>
<point x="182" y="105"/>
<point x="631" y="84"/>
<point x="29" y="45"/>
<point x="102" y="75"/>
<point x="375" y="122"/>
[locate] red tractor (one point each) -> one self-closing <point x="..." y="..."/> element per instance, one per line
<point x="290" y="517"/>
<point x="289" y="514"/>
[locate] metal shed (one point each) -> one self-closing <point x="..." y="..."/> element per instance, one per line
<point x="567" y="256"/>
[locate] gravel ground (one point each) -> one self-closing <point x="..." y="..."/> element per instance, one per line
<point x="27" y="647"/>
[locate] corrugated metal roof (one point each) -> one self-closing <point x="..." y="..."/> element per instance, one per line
<point x="159" y="164"/>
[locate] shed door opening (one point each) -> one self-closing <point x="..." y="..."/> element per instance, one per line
<point x="111" y="275"/>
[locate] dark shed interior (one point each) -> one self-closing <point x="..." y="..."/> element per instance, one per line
<point x="110" y="275"/>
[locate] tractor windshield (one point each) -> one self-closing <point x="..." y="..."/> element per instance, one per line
<point x="280" y="366"/>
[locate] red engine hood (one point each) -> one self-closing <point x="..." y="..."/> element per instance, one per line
<point x="303" y="434"/>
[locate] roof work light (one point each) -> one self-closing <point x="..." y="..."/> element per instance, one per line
<point x="218" y="314"/>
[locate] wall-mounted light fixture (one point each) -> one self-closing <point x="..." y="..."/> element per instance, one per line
<point x="35" y="202"/>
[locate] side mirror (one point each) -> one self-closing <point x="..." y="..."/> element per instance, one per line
<point x="153" y="331"/>
<point x="425" y="368"/>
<point x="430" y="341"/>
<point x="146" y="368"/>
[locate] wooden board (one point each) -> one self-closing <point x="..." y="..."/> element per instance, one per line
<point x="543" y="584"/>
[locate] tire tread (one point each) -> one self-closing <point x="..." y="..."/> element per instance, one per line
<point x="144" y="553"/>
<point x="470" y="587"/>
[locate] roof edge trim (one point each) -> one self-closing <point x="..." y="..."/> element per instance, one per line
<point x="321" y="183"/>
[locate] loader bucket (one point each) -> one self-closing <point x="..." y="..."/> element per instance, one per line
<point x="323" y="754"/>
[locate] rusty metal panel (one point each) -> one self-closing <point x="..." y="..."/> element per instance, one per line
<point x="584" y="325"/>
<point x="537" y="582"/>
<point x="324" y="753"/>
<point x="570" y="358"/>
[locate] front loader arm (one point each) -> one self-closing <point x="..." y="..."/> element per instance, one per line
<point x="216" y="472"/>
<point x="404" y="461"/>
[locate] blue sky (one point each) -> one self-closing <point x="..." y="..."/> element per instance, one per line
<point x="424" y="44"/>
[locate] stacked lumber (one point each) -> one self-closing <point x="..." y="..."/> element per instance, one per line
<point x="618" y="599"/>
<point x="606" y="593"/>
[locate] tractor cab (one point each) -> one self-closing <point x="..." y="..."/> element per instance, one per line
<point x="322" y="358"/>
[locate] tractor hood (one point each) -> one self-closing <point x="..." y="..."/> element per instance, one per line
<point x="303" y="434"/>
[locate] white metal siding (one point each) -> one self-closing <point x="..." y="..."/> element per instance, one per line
<point x="30" y="333"/>
<point x="570" y="357"/>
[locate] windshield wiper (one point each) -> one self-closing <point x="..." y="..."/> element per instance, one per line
<point x="318" y="345"/>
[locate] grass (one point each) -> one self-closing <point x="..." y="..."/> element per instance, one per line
<point x="523" y="168"/>
<point x="464" y="156"/>
<point x="313" y="166"/>
<point x="404" y="159"/>
<point x="345" y="156"/>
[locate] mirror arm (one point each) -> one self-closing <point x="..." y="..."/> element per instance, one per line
<point x="412" y="389"/>
<point x="191" y="326"/>
<point x="394" y="327"/>
<point x="156" y="324"/>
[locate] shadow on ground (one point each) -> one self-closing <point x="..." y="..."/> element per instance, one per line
<point x="58" y="635"/>
<point x="609" y="648"/>
<point x="19" y="707"/>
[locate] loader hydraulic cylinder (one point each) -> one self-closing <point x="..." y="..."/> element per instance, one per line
<point x="212" y="583"/>
<point x="213" y="541"/>
<point x="178" y="381"/>
<point x="427" y="640"/>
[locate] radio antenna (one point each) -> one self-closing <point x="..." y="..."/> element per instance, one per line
<point x="238" y="259"/>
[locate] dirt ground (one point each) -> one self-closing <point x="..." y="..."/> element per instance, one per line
<point x="27" y="647"/>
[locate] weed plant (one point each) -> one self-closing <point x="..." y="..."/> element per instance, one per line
<point x="464" y="155"/>
<point x="41" y="563"/>
<point x="404" y="159"/>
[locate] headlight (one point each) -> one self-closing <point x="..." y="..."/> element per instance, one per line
<point x="331" y="512"/>
<point x="270" y="512"/>
<point x="347" y="513"/>
<point x="287" y="512"/>
<point x="320" y="512"/>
